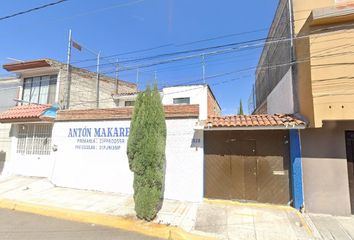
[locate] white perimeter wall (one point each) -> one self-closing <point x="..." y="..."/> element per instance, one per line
<point x="280" y="100"/>
<point x="108" y="170"/>
<point x="5" y="144"/>
<point x="197" y="93"/>
<point x="26" y="165"/>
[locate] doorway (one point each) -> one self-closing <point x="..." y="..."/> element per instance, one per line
<point x="247" y="165"/>
<point x="349" y="139"/>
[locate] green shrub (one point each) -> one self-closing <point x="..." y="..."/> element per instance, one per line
<point x="146" y="153"/>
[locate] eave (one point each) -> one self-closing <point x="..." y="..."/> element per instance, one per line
<point x="16" y="67"/>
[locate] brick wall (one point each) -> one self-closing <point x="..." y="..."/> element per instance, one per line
<point x="83" y="88"/>
<point x="171" y="111"/>
<point x="213" y="107"/>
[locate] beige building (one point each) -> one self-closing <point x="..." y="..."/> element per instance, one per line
<point x="306" y="69"/>
<point x="46" y="81"/>
<point x="43" y="87"/>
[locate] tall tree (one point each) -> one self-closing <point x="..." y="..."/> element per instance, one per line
<point x="146" y="153"/>
<point x="240" y="109"/>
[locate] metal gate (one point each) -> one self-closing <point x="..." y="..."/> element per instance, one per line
<point x="32" y="156"/>
<point x="247" y="165"/>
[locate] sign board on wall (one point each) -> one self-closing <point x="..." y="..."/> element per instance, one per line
<point x="93" y="155"/>
<point x="98" y="138"/>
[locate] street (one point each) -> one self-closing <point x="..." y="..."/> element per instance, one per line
<point x="24" y="226"/>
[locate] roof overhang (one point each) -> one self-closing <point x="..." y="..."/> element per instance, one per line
<point x="22" y="120"/>
<point x="331" y="15"/>
<point x="253" y="128"/>
<point x="20" y="66"/>
<point x="254" y="122"/>
<point x="125" y="113"/>
<point x="29" y="113"/>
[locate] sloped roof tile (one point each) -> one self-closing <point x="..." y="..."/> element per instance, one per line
<point x="24" y="112"/>
<point x="261" y="120"/>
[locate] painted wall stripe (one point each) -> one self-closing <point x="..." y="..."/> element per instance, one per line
<point x="296" y="169"/>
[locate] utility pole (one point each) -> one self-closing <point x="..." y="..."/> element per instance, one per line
<point x="137" y="77"/>
<point x="68" y="71"/>
<point x="117" y="81"/>
<point x="98" y="81"/>
<point x="203" y="66"/>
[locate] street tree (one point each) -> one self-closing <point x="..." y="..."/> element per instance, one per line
<point x="146" y="153"/>
<point x="240" y="109"/>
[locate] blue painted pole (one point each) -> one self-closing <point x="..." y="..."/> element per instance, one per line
<point x="296" y="169"/>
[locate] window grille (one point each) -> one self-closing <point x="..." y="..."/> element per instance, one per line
<point x="34" y="139"/>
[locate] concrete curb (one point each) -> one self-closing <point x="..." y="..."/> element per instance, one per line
<point x="264" y="205"/>
<point x="124" y="223"/>
<point x="313" y="227"/>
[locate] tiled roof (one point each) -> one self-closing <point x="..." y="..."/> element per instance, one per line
<point x="171" y="111"/>
<point x="261" y="120"/>
<point x="23" y="113"/>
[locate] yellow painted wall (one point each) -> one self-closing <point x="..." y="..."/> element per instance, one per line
<point x="302" y="10"/>
<point x="325" y="76"/>
<point x="332" y="75"/>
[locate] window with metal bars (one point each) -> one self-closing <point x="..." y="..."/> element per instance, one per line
<point x="34" y="139"/>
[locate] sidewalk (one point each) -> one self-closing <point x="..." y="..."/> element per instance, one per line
<point x="329" y="227"/>
<point x="215" y="219"/>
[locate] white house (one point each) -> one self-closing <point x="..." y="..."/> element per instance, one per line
<point x="200" y="94"/>
<point x="44" y="87"/>
<point x="84" y="147"/>
<point x="90" y="145"/>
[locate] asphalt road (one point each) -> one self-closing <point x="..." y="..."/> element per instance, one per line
<point x="24" y="226"/>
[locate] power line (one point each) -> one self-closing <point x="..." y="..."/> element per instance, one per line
<point x="126" y="53"/>
<point x="228" y="60"/>
<point x="209" y="62"/>
<point x="262" y="68"/>
<point x="238" y="71"/>
<point x="186" y="51"/>
<point x="193" y="56"/>
<point x="269" y="67"/>
<point x="175" y="45"/>
<point x="231" y="59"/>
<point x="232" y="47"/>
<point x="32" y="9"/>
<point x="125" y="4"/>
<point x="189" y="43"/>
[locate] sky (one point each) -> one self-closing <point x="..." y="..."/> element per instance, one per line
<point x="126" y="30"/>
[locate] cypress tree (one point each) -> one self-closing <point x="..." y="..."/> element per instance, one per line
<point x="240" y="110"/>
<point x="133" y="134"/>
<point x="146" y="153"/>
